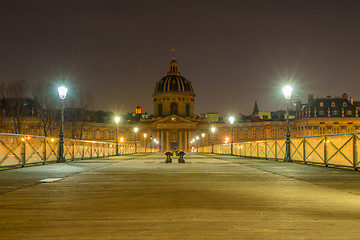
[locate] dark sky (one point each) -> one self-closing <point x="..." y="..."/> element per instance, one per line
<point x="233" y="52"/>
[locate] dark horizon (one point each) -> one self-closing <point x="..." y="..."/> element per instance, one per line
<point x="233" y="52"/>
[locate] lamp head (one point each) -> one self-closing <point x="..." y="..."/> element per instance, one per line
<point x="213" y="129"/>
<point x="117" y="120"/>
<point x="136" y="129"/>
<point x="62" y="92"/>
<point x="231" y="120"/>
<point x="287" y="90"/>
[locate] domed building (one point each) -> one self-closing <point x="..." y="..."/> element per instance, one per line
<point x="174" y="123"/>
<point x="173" y="94"/>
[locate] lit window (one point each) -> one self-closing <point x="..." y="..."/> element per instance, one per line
<point x="321" y="104"/>
<point x="344" y="104"/>
<point x="333" y="104"/>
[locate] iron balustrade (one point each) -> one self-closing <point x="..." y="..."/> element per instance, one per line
<point x="19" y="150"/>
<point x="338" y="149"/>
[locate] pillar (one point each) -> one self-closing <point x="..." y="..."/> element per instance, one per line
<point x="167" y="141"/>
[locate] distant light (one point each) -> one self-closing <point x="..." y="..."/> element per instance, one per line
<point x="121" y="139"/>
<point x="227" y="139"/>
<point x="203" y="135"/>
<point x="287" y="90"/>
<point x="213" y="129"/>
<point x="145" y="135"/>
<point x="197" y="137"/>
<point x="117" y="120"/>
<point x="136" y="129"/>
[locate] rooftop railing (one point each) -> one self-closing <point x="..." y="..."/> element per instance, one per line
<point x="338" y="150"/>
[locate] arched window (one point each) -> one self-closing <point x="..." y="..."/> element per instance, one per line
<point x="160" y="110"/>
<point x="344" y="104"/>
<point x="333" y="104"/>
<point x="173" y="108"/>
<point x="321" y="104"/>
<point x="187" y="110"/>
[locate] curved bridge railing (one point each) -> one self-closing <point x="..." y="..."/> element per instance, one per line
<point x="338" y="150"/>
<point x="19" y="150"/>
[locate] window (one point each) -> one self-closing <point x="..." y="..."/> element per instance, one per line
<point x="173" y="108"/>
<point x="344" y="104"/>
<point x="160" y="110"/>
<point x="187" y="110"/>
<point x="333" y="104"/>
<point x="236" y="134"/>
<point x="321" y="104"/>
<point x="274" y="133"/>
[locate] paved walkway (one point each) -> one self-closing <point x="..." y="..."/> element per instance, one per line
<point x="208" y="197"/>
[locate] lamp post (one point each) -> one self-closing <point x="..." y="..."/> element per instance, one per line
<point x="117" y="120"/>
<point x="145" y="136"/>
<point x="197" y="143"/>
<point x="213" y="140"/>
<point x="287" y="90"/>
<point x="231" y="120"/>
<point x="62" y="95"/>
<point x="135" y="130"/>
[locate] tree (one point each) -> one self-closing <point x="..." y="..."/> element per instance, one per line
<point x="16" y="92"/>
<point x="77" y="114"/>
<point x="46" y="99"/>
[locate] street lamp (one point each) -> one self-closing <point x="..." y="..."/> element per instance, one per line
<point x="145" y="136"/>
<point x="117" y="120"/>
<point x="231" y="120"/>
<point x="135" y="130"/>
<point x="212" y="146"/>
<point x="62" y="95"/>
<point x="287" y="90"/>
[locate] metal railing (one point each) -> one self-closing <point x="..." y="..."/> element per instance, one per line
<point x="337" y="150"/>
<point x="19" y="150"/>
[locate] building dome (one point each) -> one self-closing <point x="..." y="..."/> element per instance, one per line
<point x="173" y="94"/>
<point x="173" y="82"/>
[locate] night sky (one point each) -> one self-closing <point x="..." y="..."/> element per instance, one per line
<point x="233" y="52"/>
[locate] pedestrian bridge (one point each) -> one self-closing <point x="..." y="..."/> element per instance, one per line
<point x="139" y="196"/>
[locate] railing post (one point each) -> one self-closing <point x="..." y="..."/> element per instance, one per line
<point x="91" y="150"/>
<point x="276" y="158"/>
<point x="83" y="152"/>
<point x="304" y="151"/>
<point x="266" y="157"/>
<point x="257" y="149"/>
<point x="355" y="162"/>
<point x="73" y="151"/>
<point x="325" y="160"/>
<point x="44" y="152"/>
<point x="23" y="153"/>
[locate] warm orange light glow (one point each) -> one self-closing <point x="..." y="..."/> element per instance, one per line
<point x="52" y="139"/>
<point x="121" y="139"/>
<point x="226" y="142"/>
<point x="227" y="139"/>
<point x="145" y="135"/>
